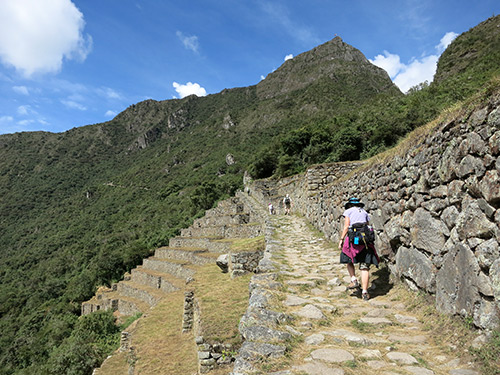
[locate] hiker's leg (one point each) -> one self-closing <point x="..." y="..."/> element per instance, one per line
<point x="351" y="270"/>
<point x="365" y="279"/>
<point x="354" y="284"/>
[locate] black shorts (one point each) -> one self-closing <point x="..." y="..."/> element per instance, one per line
<point x="365" y="256"/>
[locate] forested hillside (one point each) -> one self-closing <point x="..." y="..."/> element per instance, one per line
<point x="80" y="208"/>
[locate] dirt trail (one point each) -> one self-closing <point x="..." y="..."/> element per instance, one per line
<point x="339" y="332"/>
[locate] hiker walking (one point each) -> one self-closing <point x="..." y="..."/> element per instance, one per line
<point x="356" y="243"/>
<point x="271" y="209"/>
<point x="287" y="203"/>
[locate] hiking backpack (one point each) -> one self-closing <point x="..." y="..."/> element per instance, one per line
<point x="360" y="234"/>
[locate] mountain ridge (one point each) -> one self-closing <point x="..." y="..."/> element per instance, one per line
<point x="80" y="208"/>
<point x="328" y="59"/>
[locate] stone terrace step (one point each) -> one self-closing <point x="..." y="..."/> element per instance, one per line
<point x="113" y="300"/>
<point x="256" y="210"/>
<point x="168" y="266"/>
<point x="95" y="304"/>
<point x="244" y="231"/>
<point x="131" y="306"/>
<point x="155" y="279"/>
<point x="190" y="242"/>
<point x="220" y="246"/>
<point x="141" y="292"/>
<point x="207" y="221"/>
<point x="229" y="206"/>
<point x="213" y="231"/>
<point x="195" y="256"/>
<point x="224" y="231"/>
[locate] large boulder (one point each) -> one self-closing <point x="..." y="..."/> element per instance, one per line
<point x="490" y="187"/>
<point x="428" y="233"/>
<point x="458" y="283"/>
<point x="473" y="222"/>
<point x="414" y="265"/>
<point x="487" y="253"/>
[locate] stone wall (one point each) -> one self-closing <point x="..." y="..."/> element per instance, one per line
<point x="260" y="325"/>
<point x="434" y="202"/>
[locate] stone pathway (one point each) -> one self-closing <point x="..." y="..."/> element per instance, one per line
<point x="339" y="333"/>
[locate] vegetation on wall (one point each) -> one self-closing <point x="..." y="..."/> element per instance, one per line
<point x="80" y="208"/>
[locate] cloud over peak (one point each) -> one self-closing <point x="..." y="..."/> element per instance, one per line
<point x="405" y="76"/>
<point x="189" y="88"/>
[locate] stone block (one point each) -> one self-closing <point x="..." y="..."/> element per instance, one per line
<point x="473" y="222"/>
<point x="223" y="263"/>
<point x="487" y="252"/>
<point x="416" y="266"/>
<point x="490" y="187"/>
<point x="428" y="233"/>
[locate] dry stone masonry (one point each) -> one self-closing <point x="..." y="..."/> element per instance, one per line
<point x="170" y="269"/>
<point x="435" y="207"/>
<point x="302" y="320"/>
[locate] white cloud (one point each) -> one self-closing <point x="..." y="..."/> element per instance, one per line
<point x="189" y="89"/>
<point x="416" y="72"/>
<point x="446" y="41"/>
<point x="5" y="119"/>
<point x="288" y="57"/>
<point x="389" y="62"/>
<point x="405" y="76"/>
<point x="36" y="35"/>
<point x="189" y="42"/>
<point x="24" y="110"/>
<point x="74" y="105"/>
<point x="25" y="122"/>
<point x="109" y="93"/>
<point x="6" y="123"/>
<point x="23" y="90"/>
<point x="110" y="114"/>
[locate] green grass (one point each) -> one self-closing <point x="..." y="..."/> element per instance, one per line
<point x="488" y="355"/>
<point x="223" y="301"/>
<point x="248" y="244"/>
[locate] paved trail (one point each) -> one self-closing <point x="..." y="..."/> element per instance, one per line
<point x="342" y="334"/>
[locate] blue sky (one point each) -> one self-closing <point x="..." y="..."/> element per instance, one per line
<point x="69" y="63"/>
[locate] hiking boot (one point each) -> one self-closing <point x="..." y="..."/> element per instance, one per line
<point x="353" y="285"/>
<point x="365" y="296"/>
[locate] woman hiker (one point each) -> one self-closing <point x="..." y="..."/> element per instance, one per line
<point x="360" y="251"/>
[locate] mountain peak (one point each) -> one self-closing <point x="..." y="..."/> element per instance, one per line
<point x="334" y="61"/>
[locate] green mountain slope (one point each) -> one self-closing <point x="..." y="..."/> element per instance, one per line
<point x="81" y="207"/>
<point x="470" y="60"/>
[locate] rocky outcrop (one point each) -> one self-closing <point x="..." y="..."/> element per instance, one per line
<point x="435" y="204"/>
<point x="332" y="62"/>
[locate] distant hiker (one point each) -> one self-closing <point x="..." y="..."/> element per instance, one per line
<point x="287" y="203"/>
<point x="271" y="209"/>
<point x="356" y="243"/>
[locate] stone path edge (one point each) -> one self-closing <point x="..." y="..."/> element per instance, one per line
<point x="271" y="343"/>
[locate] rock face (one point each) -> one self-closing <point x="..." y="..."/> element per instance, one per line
<point x="332" y="62"/>
<point x="435" y="207"/>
